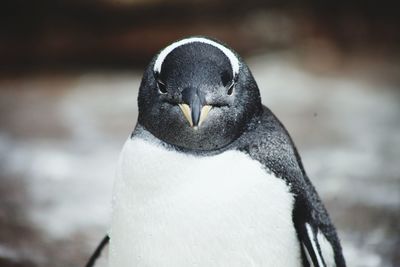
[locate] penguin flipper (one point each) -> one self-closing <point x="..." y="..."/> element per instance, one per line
<point x="96" y="254"/>
<point x="320" y="245"/>
<point x="311" y="249"/>
<point x="268" y="142"/>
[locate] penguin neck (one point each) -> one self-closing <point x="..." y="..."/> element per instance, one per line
<point x="142" y="132"/>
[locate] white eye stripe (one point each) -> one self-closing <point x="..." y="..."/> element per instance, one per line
<point x="228" y="53"/>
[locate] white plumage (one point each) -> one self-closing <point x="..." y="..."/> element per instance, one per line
<point x="175" y="209"/>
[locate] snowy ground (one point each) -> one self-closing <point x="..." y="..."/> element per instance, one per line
<point x="60" y="136"/>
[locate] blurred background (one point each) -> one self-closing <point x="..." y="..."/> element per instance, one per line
<point x="69" y="77"/>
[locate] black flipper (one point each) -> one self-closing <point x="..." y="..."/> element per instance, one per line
<point x="97" y="252"/>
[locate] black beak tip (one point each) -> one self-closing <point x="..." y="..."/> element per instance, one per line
<point x="196" y="111"/>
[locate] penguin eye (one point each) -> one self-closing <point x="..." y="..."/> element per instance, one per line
<point x="231" y="87"/>
<point x="225" y="78"/>
<point x="161" y="86"/>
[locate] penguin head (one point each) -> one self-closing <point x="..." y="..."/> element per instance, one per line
<point x="197" y="94"/>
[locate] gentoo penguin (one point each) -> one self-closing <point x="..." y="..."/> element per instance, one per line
<point x="209" y="176"/>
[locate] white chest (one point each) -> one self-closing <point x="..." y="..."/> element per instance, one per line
<point x="171" y="209"/>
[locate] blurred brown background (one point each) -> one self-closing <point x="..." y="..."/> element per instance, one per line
<point x="69" y="76"/>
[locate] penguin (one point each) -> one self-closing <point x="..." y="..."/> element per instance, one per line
<point x="210" y="176"/>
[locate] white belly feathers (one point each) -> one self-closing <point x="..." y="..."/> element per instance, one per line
<point x="174" y="209"/>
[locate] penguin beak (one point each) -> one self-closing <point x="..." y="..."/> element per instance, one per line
<point x="195" y="114"/>
<point x="193" y="107"/>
